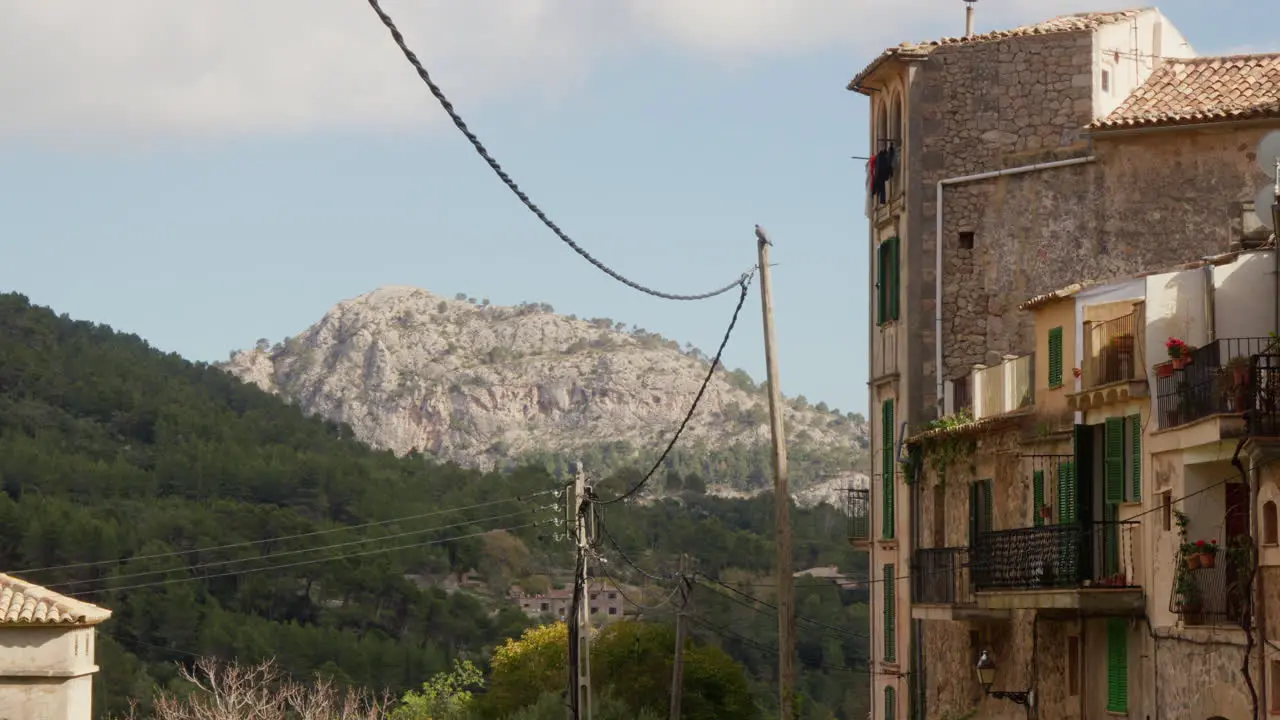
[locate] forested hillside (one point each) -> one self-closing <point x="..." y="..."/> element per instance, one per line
<point x="213" y="518"/>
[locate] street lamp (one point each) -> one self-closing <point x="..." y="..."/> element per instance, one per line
<point x="987" y="677"/>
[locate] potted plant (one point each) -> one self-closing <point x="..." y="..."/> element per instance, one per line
<point x="1191" y="555"/>
<point x="1179" y="352"/>
<point x="1076" y="372"/>
<point x="1046" y="512"/>
<point x="1208" y="552"/>
<point x="1234" y="383"/>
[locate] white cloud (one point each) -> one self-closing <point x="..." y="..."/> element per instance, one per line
<point x="98" y="68"/>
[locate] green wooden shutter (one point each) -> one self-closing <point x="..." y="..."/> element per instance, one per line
<point x="1135" y="431"/>
<point x="890" y="703"/>
<point x="1066" y="492"/>
<point x="1113" y="460"/>
<point x="888" y="465"/>
<point x="1055" y="357"/>
<point x="890" y="615"/>
<point x="895" y="272"/>
<point x="1037" y="492"/>
<point x="1117" y="666"/>
<point x="973" y="515"/>
<point x="1111" y="539"/>
<point x="882" y="285"/>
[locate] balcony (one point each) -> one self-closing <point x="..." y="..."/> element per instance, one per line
<point x="1113" y="351"/>
<point x="884" y="356"/>
<point x="1262" y="415"/>
<point x="1004" y="388"/>
<point x="1229" y="376"/>
<point x="858" y="508"/>
<point x="1074" y="568"/>
<point x="1209" y="595"/>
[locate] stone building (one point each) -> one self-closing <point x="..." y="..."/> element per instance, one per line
<point x="605" y="601"/>
<point x="46" y="653"/>
<point x="1087" y="147"/>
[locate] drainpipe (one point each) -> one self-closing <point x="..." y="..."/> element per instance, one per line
<point x="1210" y="319"/>
<point x="937" y="265"/>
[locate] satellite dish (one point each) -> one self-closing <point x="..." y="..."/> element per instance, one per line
<point x="1262" y="203"/>
<point x="1269" y="152"/>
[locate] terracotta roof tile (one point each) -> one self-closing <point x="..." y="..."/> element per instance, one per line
<point x="1078" y="22"/>
<point x="1199" y="90"/>
<point x="22" y="603"/>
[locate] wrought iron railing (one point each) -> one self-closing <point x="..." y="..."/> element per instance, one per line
<point x="1098" y="554"/>
<point x="1213" y="379"/>
<point x="1210" y="595"/>
<point x="1112" y="350"/>
<point x="858" y="508"/>
<point x="1043" y="473"/>
<point x="940" y="576"/>
<point x="885" y="361"/>
<point x="1263" y="411"/>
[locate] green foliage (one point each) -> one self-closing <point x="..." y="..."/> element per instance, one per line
<point x="523" y="669"/>
<point x="943" y="452"/>
<point x="551" y="706"/>
<point x="446" y="696"/>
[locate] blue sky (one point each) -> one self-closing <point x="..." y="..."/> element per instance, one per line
<point x="204" y="174"/>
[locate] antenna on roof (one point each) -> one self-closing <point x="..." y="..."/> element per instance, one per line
<point x="968" y="17"/>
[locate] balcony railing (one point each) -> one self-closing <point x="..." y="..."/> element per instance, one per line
<point x="940" y="576"/>
<point x="1112" y="350"/>
<point x="1215" y="379"/>
<point x="1076" y="555"/>
<point x="1004" y="388"/>
<point x="858" y="507"/>
<point x="1263" y="411"/>
<point x="1210" y="595"/>
<point x="885" y="355"/>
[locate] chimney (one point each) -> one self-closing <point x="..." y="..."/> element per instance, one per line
<point x="968" y="18"/>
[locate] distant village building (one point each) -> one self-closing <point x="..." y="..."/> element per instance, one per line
<point x="605" y="602"/>
<point x="46" y="653"/>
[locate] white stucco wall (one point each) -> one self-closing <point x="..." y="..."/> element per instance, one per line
<point x="1128" y="52"/>
<point x="1243" y="297"/>
<point x="46" y="673"/>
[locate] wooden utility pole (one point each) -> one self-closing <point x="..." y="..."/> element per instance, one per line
<point x="677" y="672"/>
<point x="781" y="497"/>
<point x="580" y="635"/>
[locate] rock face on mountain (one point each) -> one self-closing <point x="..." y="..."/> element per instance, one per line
<point x="485" y="385"/>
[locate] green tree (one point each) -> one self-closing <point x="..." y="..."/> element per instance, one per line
<point x="525" y="668"/>
<point x="446" y="696"/>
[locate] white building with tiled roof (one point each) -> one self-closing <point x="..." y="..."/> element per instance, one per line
<point x="46" y="653"/>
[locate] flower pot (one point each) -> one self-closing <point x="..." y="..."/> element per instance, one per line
<point x="1180" y="362"/>
<point x="1208" y="560"/>
<point x="1240" y="375"/>
<point x="1164" y="370"/>
<point x="1046" y="512"/>
<point x="1193" y="562"/>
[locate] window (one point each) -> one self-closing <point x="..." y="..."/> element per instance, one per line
<point x="1073" y="666"/>
<point x="1269" y="529"/>
<point x="544" y="607"/>
<point x="613" y="611"/>
<point x="890" y="703"/>
<point x="1067" y="500"/>
<point x="888" y="279"/>
<point x="1122" y="459"/>
<point x="981" y="509"/>
<point x="890" y="615"/>
<point x="1274" y="692"/>
<point x="594" y="609"/>
<point x="1055" y="357"/>
<point x="1166" y="507"/>
<point x="888" y="461"/>
<point x="965" y="239"/>
<point x="1106" y="82"/>
<point x="1117" y="666"/>
<point x="613" y="596"/>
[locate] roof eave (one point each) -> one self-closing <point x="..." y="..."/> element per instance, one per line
<point x="1111" y="130"/>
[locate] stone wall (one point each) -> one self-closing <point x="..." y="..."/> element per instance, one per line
<point x="1149" y="201"/>
<point x="1201" y="678"/>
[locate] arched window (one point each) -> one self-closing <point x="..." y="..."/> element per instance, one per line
<point x="1270" y="533"/>
<point x="896" y="135"/>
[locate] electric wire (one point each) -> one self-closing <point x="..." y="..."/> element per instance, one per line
<point x="765" y="647"/>
<point x="706" y="381"/>
<point x="799" y="618"/>
<point x="278" y="538"/>
<point x="511" y="184"/>
<point x="295" y="551"/>
<point x="345" y="556"/>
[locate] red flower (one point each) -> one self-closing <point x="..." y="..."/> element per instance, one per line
<point x="1199" y="543"/>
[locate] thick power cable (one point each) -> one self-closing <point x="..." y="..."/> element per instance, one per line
<point x="745" y="284"/>
<point x="346" y="556"/>
<point x="511" y="184"/>
<point x="279" y="538"/>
